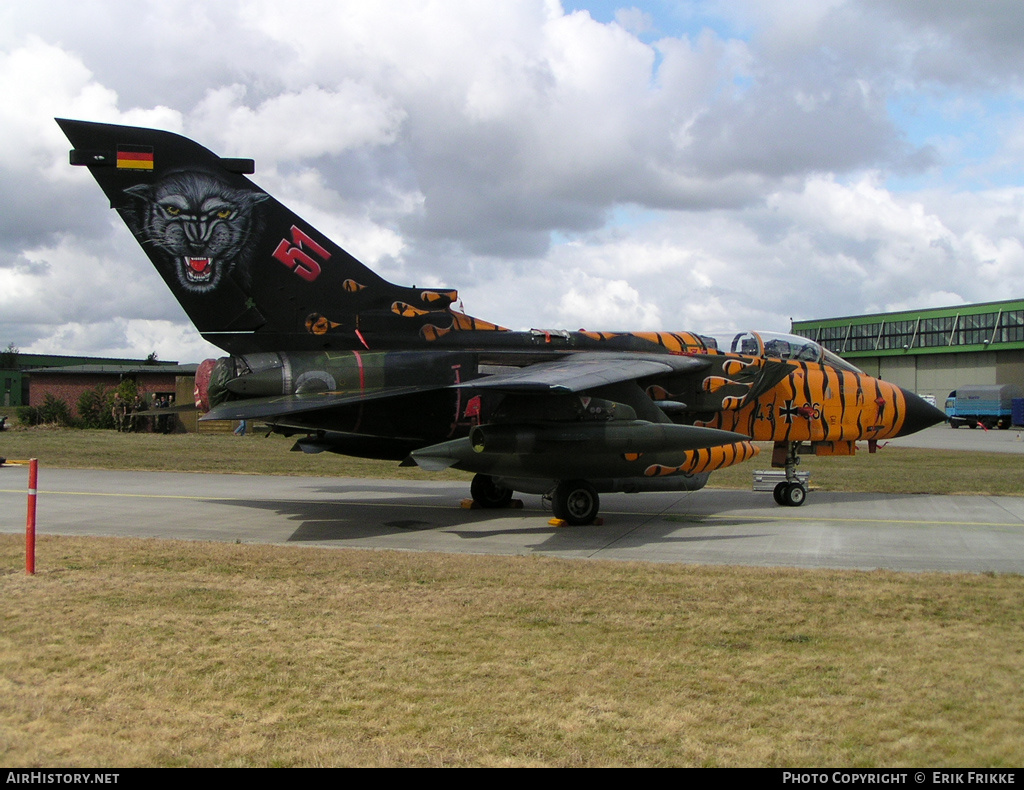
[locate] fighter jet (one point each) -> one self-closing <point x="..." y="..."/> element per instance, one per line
<point x="323" y="349"/>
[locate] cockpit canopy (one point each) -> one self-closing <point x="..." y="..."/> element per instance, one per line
<point x="778" y="345"/>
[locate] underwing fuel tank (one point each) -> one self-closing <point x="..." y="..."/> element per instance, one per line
<point x="635" y="450"/>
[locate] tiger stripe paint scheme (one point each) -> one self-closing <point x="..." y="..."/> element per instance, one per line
<point x="817" y="403"/>
<point x="707" y="459"/>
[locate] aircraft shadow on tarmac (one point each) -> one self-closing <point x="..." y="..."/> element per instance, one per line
<point x="357" y="511"/>
<point x="326" y="521"/>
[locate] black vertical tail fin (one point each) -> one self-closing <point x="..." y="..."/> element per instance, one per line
<point x="251" y="274"/>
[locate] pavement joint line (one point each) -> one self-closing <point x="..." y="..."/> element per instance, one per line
<point x="651" y="517"/>
<point x="678" y="517"/>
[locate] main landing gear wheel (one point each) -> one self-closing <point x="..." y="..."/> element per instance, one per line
<point x="575" y="502"/>
<point x="790" y="494"/>
<point x="488" y="494"/>
<point x="794" y="495"/>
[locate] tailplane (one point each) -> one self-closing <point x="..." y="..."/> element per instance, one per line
<point x="251" y="274"/>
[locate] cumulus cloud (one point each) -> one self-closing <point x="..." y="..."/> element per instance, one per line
<point x="735" y="171"/>
<point x="296" y="125"/>
<point x="594" y="301"/>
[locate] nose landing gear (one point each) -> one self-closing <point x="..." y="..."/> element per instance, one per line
<point x="790" y="492"/>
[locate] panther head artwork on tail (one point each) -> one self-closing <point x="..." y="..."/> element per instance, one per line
<point x="196" y="226"/>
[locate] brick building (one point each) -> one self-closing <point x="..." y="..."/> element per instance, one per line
<point x="70" y="381"/>
<point x="15" y="365"/>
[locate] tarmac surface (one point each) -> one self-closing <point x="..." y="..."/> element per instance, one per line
<point x="832" y="530"/>
<point x="942" y="437"/>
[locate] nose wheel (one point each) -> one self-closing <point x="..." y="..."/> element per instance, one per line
<point x="790" y="492"/>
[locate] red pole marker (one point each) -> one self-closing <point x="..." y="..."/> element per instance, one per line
<point x="30" y="524"/>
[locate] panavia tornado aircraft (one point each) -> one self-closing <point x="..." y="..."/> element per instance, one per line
<point x="324" y="349"/>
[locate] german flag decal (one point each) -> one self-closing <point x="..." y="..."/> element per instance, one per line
<point x="134" y="157"/>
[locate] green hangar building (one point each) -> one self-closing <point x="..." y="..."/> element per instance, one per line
<point x="933" y="351"/>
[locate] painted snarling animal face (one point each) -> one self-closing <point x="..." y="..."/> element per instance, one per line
<point x="198" y="224"/>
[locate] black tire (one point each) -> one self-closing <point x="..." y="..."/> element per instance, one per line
<point x="795" y="495"/>
<point x="488" y="494"/>
<point x="1003" y="424"/>
<point x="575" y="502"/>
<point x="780" y="493"/>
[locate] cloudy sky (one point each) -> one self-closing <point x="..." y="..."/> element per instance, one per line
<point x="702" y="165"/>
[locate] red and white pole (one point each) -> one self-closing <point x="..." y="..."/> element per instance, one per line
<point x="30" y="523"/>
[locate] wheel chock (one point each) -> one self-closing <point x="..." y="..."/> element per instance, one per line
<point x="559" y="522"/>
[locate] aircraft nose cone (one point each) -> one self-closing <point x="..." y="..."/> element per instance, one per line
<point x="920" y="414"/>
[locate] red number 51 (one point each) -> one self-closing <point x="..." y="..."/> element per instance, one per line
<point x="295" y="257"/>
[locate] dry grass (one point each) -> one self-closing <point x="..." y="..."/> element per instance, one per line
<point x="132" y="652"/>
<point x="68" y="448"/>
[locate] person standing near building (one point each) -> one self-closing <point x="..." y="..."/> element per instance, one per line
<point x="138" y="420"/>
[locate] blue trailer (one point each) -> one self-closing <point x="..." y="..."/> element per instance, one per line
<point x="1018" y="412"/>
<point x="989" y="406"/>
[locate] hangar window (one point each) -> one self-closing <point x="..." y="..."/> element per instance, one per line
<point x="934" y="332"/>
<point x="863" y="337"/>
<point x="898" y="334"/>
<point x="975" y="329"/>
<point x="1011" y="327"/>
<point x="832" y="337"/>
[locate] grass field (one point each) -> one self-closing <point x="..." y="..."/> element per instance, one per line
<point x="158" y="653"/>
<point x="136" y="652"/>
<point x="894" y="470"/>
